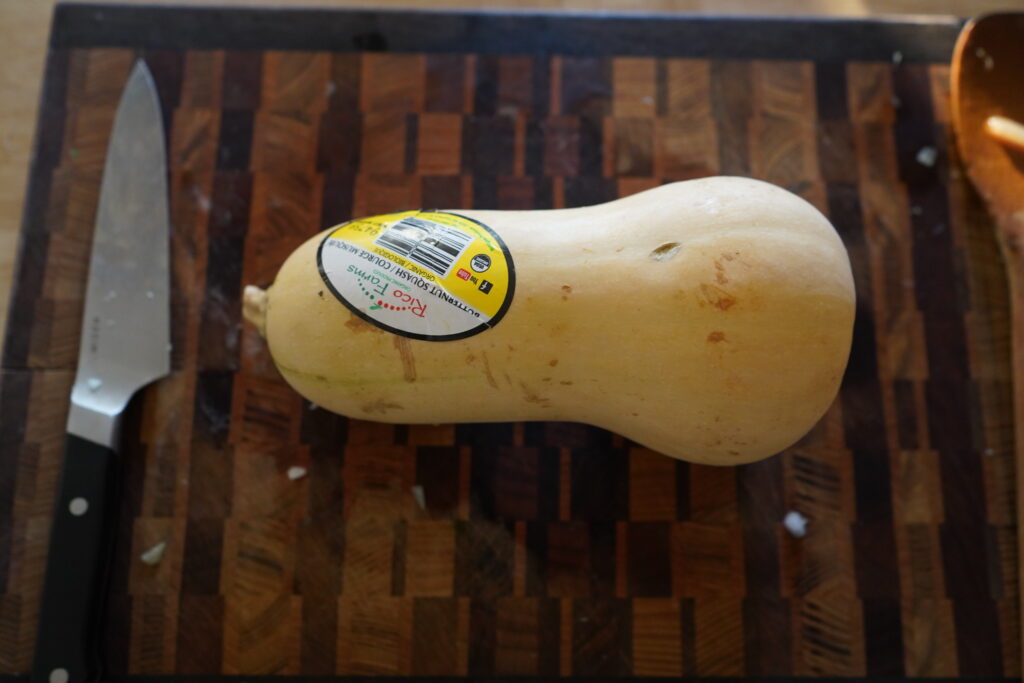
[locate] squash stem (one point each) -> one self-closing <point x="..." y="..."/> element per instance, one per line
<point x="254" y="307"/>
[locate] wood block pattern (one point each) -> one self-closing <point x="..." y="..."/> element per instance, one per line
<point x="528" y="549"/>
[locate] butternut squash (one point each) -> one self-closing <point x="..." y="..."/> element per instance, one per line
<point x="710" y="319"/>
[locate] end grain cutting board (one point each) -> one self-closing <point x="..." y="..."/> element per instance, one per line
<point x="544" y="548"/>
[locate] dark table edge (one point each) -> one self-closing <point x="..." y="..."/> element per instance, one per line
<point x="143" y="678"/>
<point x="503" y="32"/>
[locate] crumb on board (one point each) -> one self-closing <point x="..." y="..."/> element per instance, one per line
<point x="419" y="496"/>
<point x="796" y="524"/>
<point x="153" y="556"/>
<point x="927" y="156"/>
<point x="295" y="472"/>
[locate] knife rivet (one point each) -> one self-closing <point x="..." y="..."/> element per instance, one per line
<point x="94" y="383"/>
<point x="59" y="676"/>
<point x="78" y="507"/>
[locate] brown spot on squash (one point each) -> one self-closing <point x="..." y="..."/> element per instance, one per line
<point x="408" y="361"/>
<point x="470" y="359"/>
<point x="730" y="257"/>
<point x="716" y="336"/>
<point x="717" y="297"/>
<point x="531" y="397"/>
<point x="566" y="383"/>
<point x="665" y="251"/>
<point x="553" y="362"/>
<point x="487" y="371"/>
<point x="567" y="289"/>
<point x="358" y="325"/>
<point x="380" y="407"/>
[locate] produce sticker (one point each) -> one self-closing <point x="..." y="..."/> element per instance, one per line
<point x="429" y="275"/>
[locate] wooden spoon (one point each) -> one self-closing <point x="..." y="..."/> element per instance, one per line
<point x="988" y="110"/>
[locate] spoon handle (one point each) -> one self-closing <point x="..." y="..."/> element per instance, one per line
<point x="1011" y="243"/>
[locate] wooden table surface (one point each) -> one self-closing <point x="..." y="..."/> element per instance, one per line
<point x="24" y="26"/>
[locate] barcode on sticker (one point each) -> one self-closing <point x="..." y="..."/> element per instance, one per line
<point x="434" y="246"/>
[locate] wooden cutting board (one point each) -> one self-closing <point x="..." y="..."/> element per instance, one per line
<point x="542" y="548"/>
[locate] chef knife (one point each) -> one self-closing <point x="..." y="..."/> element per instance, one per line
<point x="125" y="345"/>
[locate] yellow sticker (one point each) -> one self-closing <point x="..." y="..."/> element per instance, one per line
<point x="430" y="275"/>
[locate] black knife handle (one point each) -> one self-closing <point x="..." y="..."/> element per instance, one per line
<point x="76" y="566"/>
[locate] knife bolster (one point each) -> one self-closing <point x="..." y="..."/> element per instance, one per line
<point x="92" y="425"/>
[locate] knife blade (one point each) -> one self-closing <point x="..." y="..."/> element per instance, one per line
<point x="125" y="345"/>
